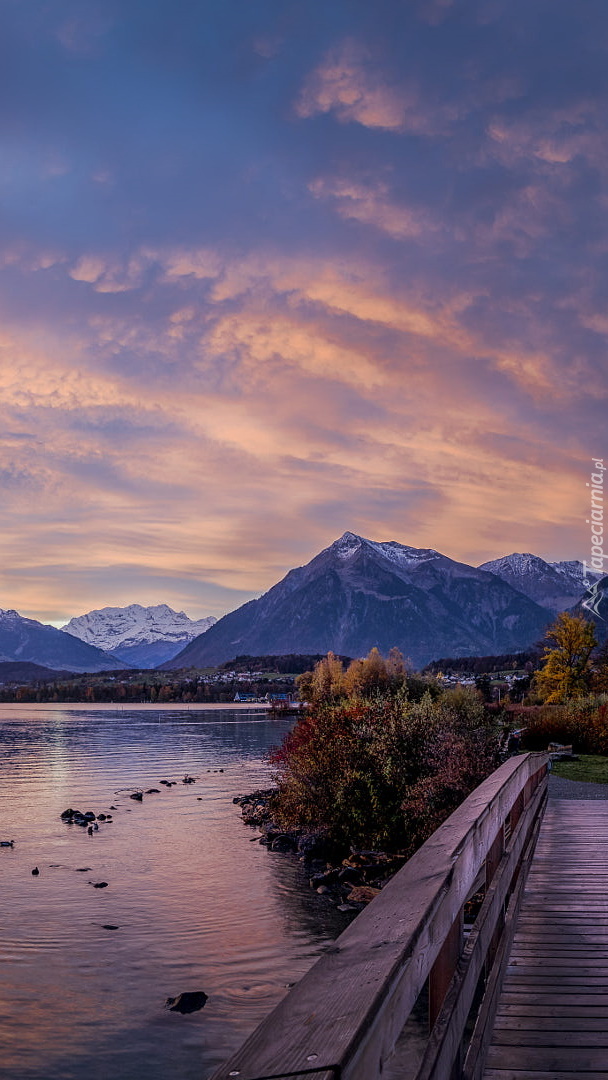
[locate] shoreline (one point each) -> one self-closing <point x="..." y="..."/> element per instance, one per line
<point x="143" y="706"/>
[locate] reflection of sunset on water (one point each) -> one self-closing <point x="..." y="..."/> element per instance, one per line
<point x="198" y="906"/>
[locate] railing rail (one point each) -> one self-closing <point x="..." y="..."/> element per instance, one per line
<point x="342" y="1020"/>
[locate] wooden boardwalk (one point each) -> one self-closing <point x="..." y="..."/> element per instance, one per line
<point x="552" y="1018"/>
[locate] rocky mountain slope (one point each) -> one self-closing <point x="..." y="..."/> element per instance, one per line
<point x="27" y="639"/>
<point x="142" y="637"/>
<point x="556" y="586"/>
<point x="358" y="593"/>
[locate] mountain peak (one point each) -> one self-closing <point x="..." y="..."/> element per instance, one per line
<point x="349" y="543"/>
<point x="140" y="636"/>
<point x="556" y="586"/>
<point x="358" y="593"/>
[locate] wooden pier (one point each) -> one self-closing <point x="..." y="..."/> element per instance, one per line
<point x="520" y="995"/>
<point x="552" y="1018"/>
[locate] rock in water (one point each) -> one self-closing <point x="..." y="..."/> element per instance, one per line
<point x="189" y="1002"/>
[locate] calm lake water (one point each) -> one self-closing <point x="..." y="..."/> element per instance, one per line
<point x="198" y="905"/>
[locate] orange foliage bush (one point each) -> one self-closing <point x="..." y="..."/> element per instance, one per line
<point x="383" y="772"/>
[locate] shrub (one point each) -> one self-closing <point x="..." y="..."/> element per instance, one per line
<point x="582" y="722"/>
<point x="384" y="771"/>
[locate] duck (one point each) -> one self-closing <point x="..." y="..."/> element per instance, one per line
<point x="7" y="843"/>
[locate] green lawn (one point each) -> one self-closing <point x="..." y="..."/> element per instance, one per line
<point x="591" y="767"/>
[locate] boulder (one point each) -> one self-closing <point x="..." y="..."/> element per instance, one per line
<point x="189" y="1002"/>
<point x="283" y="842"/>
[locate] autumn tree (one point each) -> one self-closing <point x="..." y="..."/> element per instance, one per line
<point x="566" y="671"/>
<point x="599" y="681"/>
<point x="324" y="683"/>
<point x="329" y="682"/>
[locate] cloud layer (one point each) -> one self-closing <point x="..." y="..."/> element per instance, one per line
<point x="267" y="275"/>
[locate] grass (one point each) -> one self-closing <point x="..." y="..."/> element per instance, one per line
<point x="592" y="768"/>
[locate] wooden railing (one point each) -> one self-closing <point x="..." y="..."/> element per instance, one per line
<point x="342" y="1020"/>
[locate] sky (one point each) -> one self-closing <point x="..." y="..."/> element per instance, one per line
<point x="273" y="270"/>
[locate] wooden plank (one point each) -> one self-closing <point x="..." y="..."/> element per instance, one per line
<point x="578" y="1059"/>
<point x="565" y="974"/>
<point x="510" y="1074"/>
<point x="539" y="997"/>
<point x="550" y="1037"/>
<point x="574" y="1010"/>
<point x="570" y="961"/>
<point x="563" y="1024"/>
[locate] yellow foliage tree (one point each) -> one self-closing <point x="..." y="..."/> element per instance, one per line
<point x="329" y="682"/>
<point x="567" y="668"/>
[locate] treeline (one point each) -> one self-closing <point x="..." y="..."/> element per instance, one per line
<point x="482" y="665"/>
<point x="285" y="664"/>
<point x="159" y="688"/>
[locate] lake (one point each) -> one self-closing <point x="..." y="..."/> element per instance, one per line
<point x="198" y="905"/>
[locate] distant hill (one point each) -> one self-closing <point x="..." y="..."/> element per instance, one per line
<point x="29" y="640"/>
<point x="21" y="671"/>
<point x="358" y="593"/>
<point x="142" y="637"/>
<point x="555" y="586"/>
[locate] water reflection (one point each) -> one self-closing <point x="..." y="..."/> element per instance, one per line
<point x="197" y="905"/>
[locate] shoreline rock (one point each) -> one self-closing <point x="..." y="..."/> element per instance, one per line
<point x="349" y="879"/>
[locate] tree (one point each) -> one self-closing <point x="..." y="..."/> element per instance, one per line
<point x="599" y="681"/>
<point x="324" y="683"/>
<point x="567" y="665"/>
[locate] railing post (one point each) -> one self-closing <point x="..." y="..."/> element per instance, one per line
<point x="444" y="967"/>
<point x="440" y="977"/>
<point x="492" y="862"/>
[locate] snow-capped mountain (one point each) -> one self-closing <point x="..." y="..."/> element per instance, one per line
<point x="358" y="593"/>
<point x="556" y="586"/>
<point x="28" y="640"/>
<point x="140" y="636"/>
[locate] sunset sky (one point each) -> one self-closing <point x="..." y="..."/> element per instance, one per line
<point x="271" y="270"/>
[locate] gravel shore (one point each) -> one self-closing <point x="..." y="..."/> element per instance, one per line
<point x="560" y="788"/>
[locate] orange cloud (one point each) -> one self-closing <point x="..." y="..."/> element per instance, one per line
<point x="345" y="85"/>
<point x="371" y="205"/>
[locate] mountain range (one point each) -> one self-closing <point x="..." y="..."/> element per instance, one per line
<point x="358" y="593"/>
<point x="353" y="595"/>
<point x="556" y="586"/>
<point x="142" y="637"/>
<point x="27" y="639"/>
